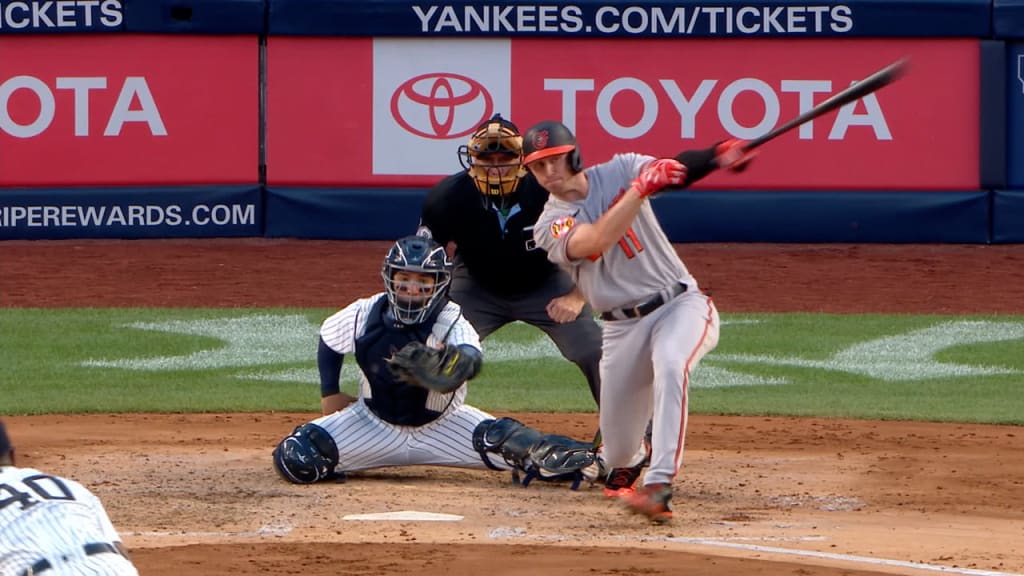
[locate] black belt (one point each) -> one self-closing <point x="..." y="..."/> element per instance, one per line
<point x="90" y="549"/>
<point x="644" y="308"/>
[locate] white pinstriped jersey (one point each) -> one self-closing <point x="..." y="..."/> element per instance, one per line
<point x="45" y="517"/>
<point x="366" y="441"/>
<point x="619" y="277"/>
<point x="341" y="330"/>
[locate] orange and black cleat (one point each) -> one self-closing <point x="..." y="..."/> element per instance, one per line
<point x="653" y="501"/>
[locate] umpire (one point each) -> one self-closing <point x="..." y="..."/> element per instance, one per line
<point x="488" y="212"/>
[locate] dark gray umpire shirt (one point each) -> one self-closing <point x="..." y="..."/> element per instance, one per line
<point x="497" y="250"/>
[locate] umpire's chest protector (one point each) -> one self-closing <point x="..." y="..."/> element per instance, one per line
<point x="392" y="401"/>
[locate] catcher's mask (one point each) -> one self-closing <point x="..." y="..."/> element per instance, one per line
<point x="493" y="157"/>
<point x="413" y="300"/>
<point x="550" y="138"/>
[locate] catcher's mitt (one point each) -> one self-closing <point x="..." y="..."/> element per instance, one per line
<point x="433" y="369"/>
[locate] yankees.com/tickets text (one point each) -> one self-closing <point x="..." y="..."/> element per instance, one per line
<point x="667" y="20"/>
<point x="56" y="14"/>
<point x="130" y="215"/>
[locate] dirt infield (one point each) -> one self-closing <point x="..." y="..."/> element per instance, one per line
<point x="194" y="494"/>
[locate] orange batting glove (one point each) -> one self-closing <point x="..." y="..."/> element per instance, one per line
<point x="730" y="155"/>
<point x="658" y="174"/>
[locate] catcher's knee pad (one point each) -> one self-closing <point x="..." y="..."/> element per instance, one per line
<point x="507" y="437"/>
<point x="308" y="455"/>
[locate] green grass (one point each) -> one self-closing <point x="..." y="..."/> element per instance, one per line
<point x="941" y="368"/>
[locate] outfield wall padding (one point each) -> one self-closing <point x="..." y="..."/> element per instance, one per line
<point x="366" y="214"/>
<point x="687" y="216"/>
<point x="1008" y="216"/>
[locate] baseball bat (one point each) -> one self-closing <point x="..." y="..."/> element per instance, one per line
<point x="878" y="80"/>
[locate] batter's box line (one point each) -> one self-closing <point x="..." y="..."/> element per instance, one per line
<point x="824" y="555"/>
<point x="262" y="531"/>
<point x="521" y="533"/>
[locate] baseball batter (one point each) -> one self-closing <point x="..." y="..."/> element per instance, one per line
<point x="598" y="224"/>
<point x="50" y="524"/>
<point x="415" y="352"/>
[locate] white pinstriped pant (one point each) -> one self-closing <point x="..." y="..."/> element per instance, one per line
<point x="365" y="441"/>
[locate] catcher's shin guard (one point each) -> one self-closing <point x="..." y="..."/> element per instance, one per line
<point x="308" y="455"/>
<point x="560" y="458"/>
<point x="548" y="457"/>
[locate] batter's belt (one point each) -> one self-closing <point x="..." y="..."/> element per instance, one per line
<point x="90" y="549"/>
<point x="647" y="306"/>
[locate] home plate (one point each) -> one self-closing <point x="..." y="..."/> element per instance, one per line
<point x="406" y="515"/>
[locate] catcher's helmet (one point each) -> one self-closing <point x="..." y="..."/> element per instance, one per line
<point x="421" y="255"/>
<point x="550" y="138"/>
<point x="493" y="157"/>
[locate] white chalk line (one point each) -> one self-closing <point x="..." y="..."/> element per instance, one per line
<point x="844" y="557"/>
<point x="262" y="531"/>
<point x="782" y="551"/>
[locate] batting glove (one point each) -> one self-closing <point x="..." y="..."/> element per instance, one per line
<point x="659" y="174"/>
<point x="730" y="155"/>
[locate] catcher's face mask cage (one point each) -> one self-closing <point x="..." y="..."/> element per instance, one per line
<point x="493" y="157"/>
<point x="416" y="275"/>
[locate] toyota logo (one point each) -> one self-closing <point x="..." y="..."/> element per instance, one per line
<point x="441" y="106"/>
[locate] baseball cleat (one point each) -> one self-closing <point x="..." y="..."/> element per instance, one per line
<point x="620" y="493"/>
<point x="622" y="481"/>
<point x="653" y="501"/>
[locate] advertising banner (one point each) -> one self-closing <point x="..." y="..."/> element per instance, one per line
<point x="193" y="212"/>
<point x="357" y="112"/>
<point x="128" y="110"/>
<point x="587" y="18"/>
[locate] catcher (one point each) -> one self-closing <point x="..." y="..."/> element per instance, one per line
<point x="415" y="352"/>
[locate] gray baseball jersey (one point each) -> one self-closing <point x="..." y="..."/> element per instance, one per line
<point x="45" y="518"/>
<point x="641" y="264"/>
<point x="365" y="441"/>
<point x="647" y="361"/>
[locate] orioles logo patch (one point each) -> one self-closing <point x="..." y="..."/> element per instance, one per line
<point x="562" y="226"/>
<point x="540" y="139"/>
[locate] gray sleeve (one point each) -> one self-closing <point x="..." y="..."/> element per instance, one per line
<point x="552" y="231"/>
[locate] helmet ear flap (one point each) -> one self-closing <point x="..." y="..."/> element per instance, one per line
<point x="575" y="162"/>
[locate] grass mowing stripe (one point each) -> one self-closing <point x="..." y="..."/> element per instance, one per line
<point x="923" y="367"/>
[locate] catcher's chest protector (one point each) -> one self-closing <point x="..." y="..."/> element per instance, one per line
<point x="392" y="401"/>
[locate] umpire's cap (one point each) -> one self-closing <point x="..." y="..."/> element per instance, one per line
<point x="5" y="442"/>
<point x="551" y="138"/>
